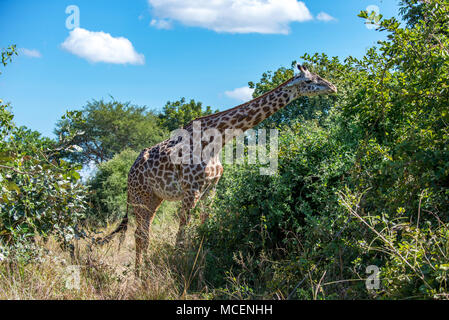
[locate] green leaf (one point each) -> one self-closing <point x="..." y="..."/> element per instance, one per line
<point x="12" y="186"/>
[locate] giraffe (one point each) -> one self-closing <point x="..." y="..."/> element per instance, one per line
<point x="154" y="177"/>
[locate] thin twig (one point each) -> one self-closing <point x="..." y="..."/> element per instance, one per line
<point x="16" y="170"/>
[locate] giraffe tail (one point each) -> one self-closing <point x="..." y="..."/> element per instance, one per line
<point x="122" y="227"/>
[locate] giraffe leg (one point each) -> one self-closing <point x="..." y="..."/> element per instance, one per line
<point x="144" y="209"/>
<point x="188" y="204"/>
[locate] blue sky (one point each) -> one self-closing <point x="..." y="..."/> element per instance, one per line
<point x="151" y="51"/>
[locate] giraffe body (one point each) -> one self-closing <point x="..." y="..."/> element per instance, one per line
<point x="154" y="178"/>
<point x="153" y="172"/>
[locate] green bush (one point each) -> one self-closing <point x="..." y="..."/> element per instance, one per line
<point x="258" y="216"/>
<point x="109" y="187"/>
<point x="364" y="181"/>
<point x="41" y="193"/>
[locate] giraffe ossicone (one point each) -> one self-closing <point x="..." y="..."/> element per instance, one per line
<point x="173" y="170"/>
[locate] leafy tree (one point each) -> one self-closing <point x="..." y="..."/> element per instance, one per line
<point x="178" y="113"/>
<point x="108" y="128"/>
<point x="41" y="193"/>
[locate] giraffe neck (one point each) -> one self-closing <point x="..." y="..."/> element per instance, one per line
<point x="243" y="117"/>
<point x="250" y="114"/>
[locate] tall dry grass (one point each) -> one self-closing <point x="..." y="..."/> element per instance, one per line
<point x="107" y="272"/>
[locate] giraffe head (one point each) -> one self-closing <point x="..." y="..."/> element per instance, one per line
<point x="307" y="83"/>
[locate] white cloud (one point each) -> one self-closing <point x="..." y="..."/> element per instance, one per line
<point x="243" y="94"/>
<point x="160" y="24"/>
<point x="32" y="53"/>
<point x="101" y="47"/>
<point x="234" y="16"/>
<point x="323" y="16"/>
